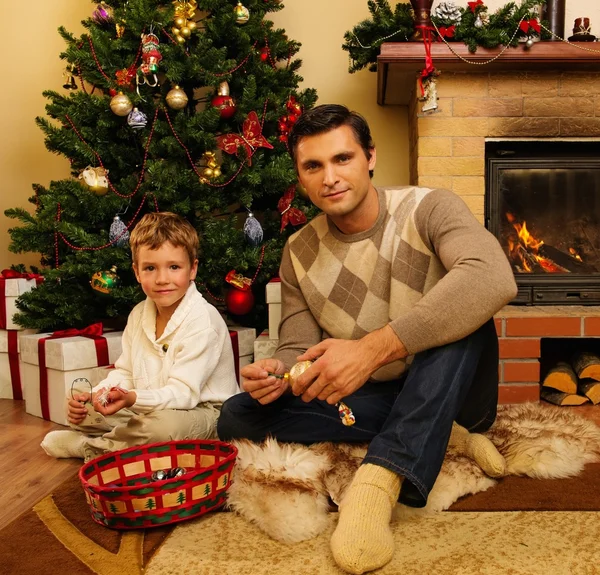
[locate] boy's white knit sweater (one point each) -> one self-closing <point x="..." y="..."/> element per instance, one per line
<point x="190" y="363"/>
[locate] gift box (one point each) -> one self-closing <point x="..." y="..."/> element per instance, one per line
<point x="10" y="373"/>
<point x="242" y="341"/>
<point x="264" y="346"/>
<point x="51" y="362"/>
<point x="10" y="290"/>
<point x="99" y="374"/>
<point x="273" y="296"/>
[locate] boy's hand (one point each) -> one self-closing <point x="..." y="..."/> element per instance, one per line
<point x="76" y="410"/>
<point x="259" y="384"/>
<point x="117" y="399"/>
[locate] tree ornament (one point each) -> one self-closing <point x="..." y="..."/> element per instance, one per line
<point x="118" y="234"/>
<point x="211" y="169"/>
<point x="125" y="77"/>
<point x="121" y="104"/>
<point x="530" y="42"/>
<point x="241" y="13"/>
<point x="103" y="14"/>
<point x="250" y="140"/>
<point x="120" y="29"/>
<point x="239" y="302"/>
<point x="289" y="215"/>
<point x="69" y="74"/>
<point x="253" y="230"/>
<point x="95" y="179"/>
<point x="264" y="54"/>
<point x="223" y="101"/>
<point x="177" y="98"/>
<point x="286" y="123"/>
<point x="448" y="11"/>
<point x="151" y="57"/>
<point x="478" y="22"/>
<point x="104" y="282"/>
<point x="473" y="5"/>
<point x="136" y="120"/>
<point x="185" y="12"/>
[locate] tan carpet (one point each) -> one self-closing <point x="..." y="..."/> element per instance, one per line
<point x="511" y="543"/>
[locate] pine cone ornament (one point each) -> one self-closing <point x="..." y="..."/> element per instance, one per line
<point x="448" y="11"/>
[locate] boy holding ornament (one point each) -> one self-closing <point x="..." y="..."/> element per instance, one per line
<point x="387" y="302"/>
<point x="177" y="365"/>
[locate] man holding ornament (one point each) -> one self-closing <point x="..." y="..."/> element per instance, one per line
<point x="387" y="299"/>
<point x="177" y="365"/>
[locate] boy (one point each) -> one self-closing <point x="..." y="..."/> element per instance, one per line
<point x="177" y="365"/>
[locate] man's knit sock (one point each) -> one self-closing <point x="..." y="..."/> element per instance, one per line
<point x="363" y="540"/>
<point x="478" y="448"/>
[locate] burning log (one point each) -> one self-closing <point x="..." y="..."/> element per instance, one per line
<point x="565" y="261"/>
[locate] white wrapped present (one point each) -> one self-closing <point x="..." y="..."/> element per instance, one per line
<point x="264" y="346"/>
<point x="242" y="340"/>
<point x="10" y="290"/>
<point x="10" y="373"/>
<point x="46" y="389"/>
<point x="273" y="296"/>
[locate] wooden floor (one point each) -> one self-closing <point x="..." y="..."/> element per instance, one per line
<point x="27" y="474"/>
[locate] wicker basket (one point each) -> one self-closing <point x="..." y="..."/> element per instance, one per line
<point x="122" y="495"/>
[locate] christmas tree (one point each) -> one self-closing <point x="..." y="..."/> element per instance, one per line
<point x="168" y="106"/>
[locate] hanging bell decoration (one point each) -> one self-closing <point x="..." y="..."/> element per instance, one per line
<point x="241" y="13"/>
<point x="121" y="104"/>
<point x="184" y="24"/>
<point x="118" y="233"/>
<point x="253" y="230"/>
<point x="210" y="168"/>
<point x="177" y="98"/>
<point x="69" y="74"/>
<point x="136" y="120"/>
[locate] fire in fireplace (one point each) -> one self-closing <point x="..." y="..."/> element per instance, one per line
<point x="543" y="205"/>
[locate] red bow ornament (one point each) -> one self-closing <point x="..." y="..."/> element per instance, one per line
<point x="290" y="215"/>
<point x="249" y="140"/>
<point x="473" y="5"/>
<point x="447" y="32"/>
<point x="525" y="25"/>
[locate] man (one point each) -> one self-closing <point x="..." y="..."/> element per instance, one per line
<point x="381" y="280"/>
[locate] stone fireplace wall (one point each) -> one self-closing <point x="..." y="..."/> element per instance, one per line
<point x="448" y="151"/>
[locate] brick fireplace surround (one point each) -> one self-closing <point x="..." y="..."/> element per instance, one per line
<point x="447" y="150"/>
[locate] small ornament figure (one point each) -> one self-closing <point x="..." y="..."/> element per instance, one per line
<point x="69" y="74"/>
<point x="211" y="169"/>
<point x="430" y="97"/>
<point x="136" y="120"/>
<point x="104" y="282"/>
<point x="95" y="179"/>
<point x="223" y="101"/>
<point x="118" y="234"/>
<point x="478" y="22"/>
<point x="151" y="57"/>
<point x="346" y="414"/>
<point x="177" y="98"/>
<point x="121" y="104"/>
<point x="253" y="230"/>
<point x="103" y="14"/>
<point x="241" y="13"/>
<point x="184" y="24"/>
<point x="238" y="281"/>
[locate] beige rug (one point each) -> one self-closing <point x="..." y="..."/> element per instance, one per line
<point x="517" y="543"/>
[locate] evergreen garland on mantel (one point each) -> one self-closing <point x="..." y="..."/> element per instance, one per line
<point x="387" y="25"/>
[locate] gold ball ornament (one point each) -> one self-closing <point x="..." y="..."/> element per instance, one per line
<point x="297" y="370"/>
<point x="121" y="104"/>
<point x="177" y="98"/>
<point x="185" y="32"/>
<point x="192" y="25"/>
<point x="180" y="22"/>
<point x="241" y="13"/>
<point x="95" y="179"/>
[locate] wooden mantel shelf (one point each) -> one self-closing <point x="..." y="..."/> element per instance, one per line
<point x="399" y="63"/>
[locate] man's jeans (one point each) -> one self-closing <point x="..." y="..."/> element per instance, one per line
<point x="407" y="421"/>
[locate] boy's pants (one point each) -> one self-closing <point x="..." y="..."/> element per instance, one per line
<point x="126" y="429"/>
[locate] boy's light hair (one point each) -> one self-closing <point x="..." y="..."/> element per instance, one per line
<point x="157" y="228"/>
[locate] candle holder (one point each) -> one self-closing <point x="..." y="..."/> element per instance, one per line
<point x="422" y="10"/>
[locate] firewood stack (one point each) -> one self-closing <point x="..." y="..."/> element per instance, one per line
<point x="573" y="383"/>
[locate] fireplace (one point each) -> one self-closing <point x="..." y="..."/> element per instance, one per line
<point x="543" y="205"/>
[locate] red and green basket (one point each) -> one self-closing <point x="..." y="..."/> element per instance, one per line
<point x="122" y="494"/>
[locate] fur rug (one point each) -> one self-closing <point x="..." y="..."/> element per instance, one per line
<point x="285" y="488"/>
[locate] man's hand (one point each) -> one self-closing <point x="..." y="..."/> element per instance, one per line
<point x="117" y="399"/>
<point x="259" y="384"/>
<point x="343" y="366"/>
<point x="76" y="410"/>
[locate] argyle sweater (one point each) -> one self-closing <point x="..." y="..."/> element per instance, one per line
<point x="426" y="267"/>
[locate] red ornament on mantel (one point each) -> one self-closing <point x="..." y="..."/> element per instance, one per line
<point x="239" y="302"/>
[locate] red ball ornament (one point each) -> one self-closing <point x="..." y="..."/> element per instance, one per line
<point x="223" y="101"/>
<point x="264" y="54"/>
<point x="239" y="302"/>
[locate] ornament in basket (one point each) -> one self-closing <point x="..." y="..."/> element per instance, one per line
<point x="123" y="492"/>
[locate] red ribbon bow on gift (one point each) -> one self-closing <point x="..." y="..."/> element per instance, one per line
<point x="290" y="215"/>
<point x="93" y="331"/>
<point x="249" y="140"/>
<point x="533" y="23"/>
<point x="9" y="274"/>
<point x="447" y="32"/>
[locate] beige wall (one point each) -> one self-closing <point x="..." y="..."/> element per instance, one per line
<point x="318" y="24"/>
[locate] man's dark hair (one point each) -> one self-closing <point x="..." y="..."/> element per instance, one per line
<point x="328" y="117"/>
